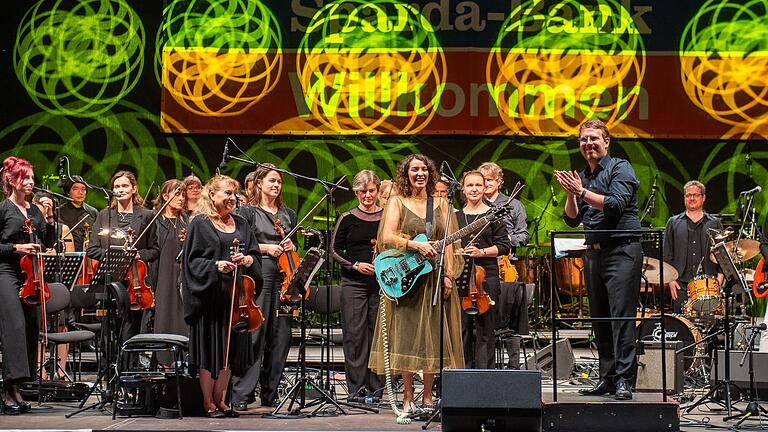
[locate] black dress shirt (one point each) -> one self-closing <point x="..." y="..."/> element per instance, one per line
<point x="615" y="179"/>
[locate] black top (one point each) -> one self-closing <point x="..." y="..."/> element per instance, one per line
<point x="352" y="240"/>
<point x="138" y="220"/>
<point x="517" y="227"/>
<point x="680" y="242"/>
<point x="263" y="223"/>
<point x="12" y="232"/>
<point x="615" y="179"/>
<point x="202" y="248"/>
<point x="70" y="215"/>
<point x="494" y="234"/>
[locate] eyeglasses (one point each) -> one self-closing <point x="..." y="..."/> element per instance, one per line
<point x="586" y="139"/>
<point x="693" y="195"/>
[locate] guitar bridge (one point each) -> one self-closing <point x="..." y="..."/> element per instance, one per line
<point x="388" y="276"/>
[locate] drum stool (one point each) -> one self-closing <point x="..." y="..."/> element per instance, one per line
<point x="140" y="386"/>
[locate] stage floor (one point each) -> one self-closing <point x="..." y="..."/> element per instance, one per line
<point x="51" y="417"/>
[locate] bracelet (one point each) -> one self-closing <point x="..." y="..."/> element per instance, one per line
<point x="583" y="193"/>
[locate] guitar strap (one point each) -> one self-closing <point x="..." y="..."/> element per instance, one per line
<point x="430" y="214"/>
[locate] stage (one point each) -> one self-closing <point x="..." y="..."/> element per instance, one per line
<point x="573" y="413"/>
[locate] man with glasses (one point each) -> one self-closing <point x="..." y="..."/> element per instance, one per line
<point x="512" y="310"/>
<point x="603" y="196"/>
<point x="686" y="243"/>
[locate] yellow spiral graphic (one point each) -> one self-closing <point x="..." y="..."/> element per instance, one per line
<point x="222" y="61"/>
<point x="724" y="64"/>
<point x="552" y="69"/>
<point x="371" y="67"/>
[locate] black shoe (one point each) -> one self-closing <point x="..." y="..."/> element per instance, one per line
<point x="214" y="414"/>
<point x="25" y="407"/>
<point x="602" y="388"/>
<point x="623" y="391"/>
<point x="240" y="406"/>
<point x="230" y="413"/>
<point x="12" y="410"/>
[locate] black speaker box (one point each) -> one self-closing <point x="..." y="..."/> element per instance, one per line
<point x="740" y="374"/>
<point x="491" y="399"/>
<point x="542" y="360"/>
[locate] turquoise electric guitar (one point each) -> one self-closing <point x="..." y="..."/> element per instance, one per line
<point x="398" y="271"/>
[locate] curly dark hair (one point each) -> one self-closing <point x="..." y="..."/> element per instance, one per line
<point x="404" y="185"/>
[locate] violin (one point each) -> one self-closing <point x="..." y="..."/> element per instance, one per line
<point x="244" y="312"/>
<point x="477" y="301"/>
<point x="139" y="290"/>
<point x="34" y="291"/>
<point x="89" y="265"/>
<point x="287" y="263"/>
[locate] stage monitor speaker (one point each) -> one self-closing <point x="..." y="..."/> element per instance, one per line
<point x="740" y="374"/>
<point x="542" y="360"/>
<point x="491" y="399"/>
<point x="649" y="367"/>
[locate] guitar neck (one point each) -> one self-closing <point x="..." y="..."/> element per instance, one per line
<point x="474" y="226"/>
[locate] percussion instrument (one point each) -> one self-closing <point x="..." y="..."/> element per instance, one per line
<point x="747" y="250"/>
<point x="703" y="294"/>
<point x="652" y="271"/>
<point x="569" y="276"/>
<point x="678" y="328"/>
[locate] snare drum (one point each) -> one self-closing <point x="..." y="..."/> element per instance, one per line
<point x="703" y="294"/>
<point x="678" y="328"/>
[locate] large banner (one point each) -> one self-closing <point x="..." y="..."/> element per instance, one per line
<point x="661" y="69"/>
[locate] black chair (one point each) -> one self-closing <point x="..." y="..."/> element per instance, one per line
<point x="318" y="303"/>
<point x="138" y="384"/>
<point x="59" y="302"/>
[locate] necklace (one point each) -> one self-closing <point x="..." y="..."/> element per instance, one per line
<point x="123" y="216"/>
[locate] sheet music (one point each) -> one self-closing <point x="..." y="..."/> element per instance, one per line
<point x="566" y="246"/>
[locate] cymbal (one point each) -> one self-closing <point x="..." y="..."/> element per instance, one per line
<point x="652" y="271"/>
<point x="747" y="250"/>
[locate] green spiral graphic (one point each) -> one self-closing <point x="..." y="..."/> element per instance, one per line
<point x="219" y="57"/>
<point x="79" y="57"/>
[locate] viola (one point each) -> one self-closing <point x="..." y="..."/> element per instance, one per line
<point x="477" y="301"/>
<point x="287" y="263"/>
<point x="34" y="291"/>
<point x="244" y="312"/>
<point x="89" y="265"/>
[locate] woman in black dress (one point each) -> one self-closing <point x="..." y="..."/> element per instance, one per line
<point x="209" y="261"/>
<point x="124" y="214"/>
<point x="272" y="341"/>
<point x="19" y="326"/>
<point x="477" y="330"/>
<point x="171" y="231"/>
<point x="352" y="245"/>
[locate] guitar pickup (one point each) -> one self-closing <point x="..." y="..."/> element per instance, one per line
<point x="388" y="276"/>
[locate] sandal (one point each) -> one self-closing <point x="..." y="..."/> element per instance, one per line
<point x="410" y="408"/>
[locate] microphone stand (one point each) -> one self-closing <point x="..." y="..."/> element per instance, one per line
<point x="535" y="225"/>
<point x="437" y="296"/>
<point x="753" y="407"/>
<point x="303" y="382"/>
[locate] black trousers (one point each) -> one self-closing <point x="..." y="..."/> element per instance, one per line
<point x="613" y="285"/>
<point x="270" y="342"/>
<point x="477" y="331"/>
<point x="19" y="329"/>
<point x="359" y="311"/>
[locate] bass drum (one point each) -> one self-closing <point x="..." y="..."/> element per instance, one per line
<point x="678" y="328"/>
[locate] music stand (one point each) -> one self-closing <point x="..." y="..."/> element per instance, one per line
<point x="112" y="267"/>
<point x="732" y="277"/>
<point x="71" y="266"/>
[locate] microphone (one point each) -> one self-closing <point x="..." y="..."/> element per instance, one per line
<point x="60" y="173"/>
<point x="758" y="327"/>
<point x="654" y="188"/>
<point x="225" y="155"/>
<point x="754" y="190"/>
<point x="447" y="177"/>
<point x="552" y="193"/>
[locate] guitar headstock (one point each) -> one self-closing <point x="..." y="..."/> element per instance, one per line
<point x="500" y="211"/>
